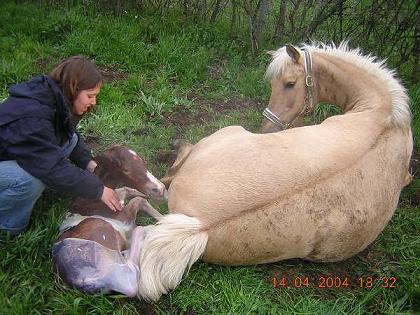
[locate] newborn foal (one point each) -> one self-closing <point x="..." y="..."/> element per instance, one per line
<point x="91" y="253"/>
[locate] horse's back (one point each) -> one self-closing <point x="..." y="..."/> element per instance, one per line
<point x="322" y="221"/>
<point x="245" y="170"/>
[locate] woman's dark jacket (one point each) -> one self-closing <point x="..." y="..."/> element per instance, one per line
<point x="34" y="124"/>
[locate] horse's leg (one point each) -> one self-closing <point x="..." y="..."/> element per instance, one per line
<point x="182" y="149"/>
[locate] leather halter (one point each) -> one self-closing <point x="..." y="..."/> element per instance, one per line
<point x="309" y="100"/>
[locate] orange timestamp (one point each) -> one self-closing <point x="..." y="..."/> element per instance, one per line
<point x="331" y="281"/>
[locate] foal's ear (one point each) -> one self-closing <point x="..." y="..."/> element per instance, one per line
<point x="106" y="159"/>
<point x="293" y="52"/>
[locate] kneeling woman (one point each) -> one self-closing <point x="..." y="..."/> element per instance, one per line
<point x="38" y="142"/>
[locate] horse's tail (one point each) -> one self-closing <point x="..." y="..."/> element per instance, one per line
<point x="169" y="249"/>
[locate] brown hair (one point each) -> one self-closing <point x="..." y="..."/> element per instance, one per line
<point x="75" y="74"/>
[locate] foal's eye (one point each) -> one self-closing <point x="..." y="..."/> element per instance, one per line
<point x="290" y="85"/>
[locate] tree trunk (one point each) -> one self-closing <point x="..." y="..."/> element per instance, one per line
<point x="281" y="17"/>
<point x="260" y="21"/>
<point x="216" y="11"/>
<point x="322" y="13"/>
<point x="233" y="18"/>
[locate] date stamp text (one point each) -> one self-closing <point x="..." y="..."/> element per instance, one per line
<point x="332" y="281"/>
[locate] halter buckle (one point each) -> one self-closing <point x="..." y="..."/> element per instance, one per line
<point x="308" y="80"/>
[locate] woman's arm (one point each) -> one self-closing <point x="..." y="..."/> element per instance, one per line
<point x="81" y="155"/>
<point x="34" y="151"/>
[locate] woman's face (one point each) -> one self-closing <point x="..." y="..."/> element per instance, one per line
<point x="85" y="100"/>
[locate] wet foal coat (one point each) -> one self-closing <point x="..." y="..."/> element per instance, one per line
<point x="98" y="249"/>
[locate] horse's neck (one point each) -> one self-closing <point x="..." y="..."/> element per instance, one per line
<point x="351" y="87"/>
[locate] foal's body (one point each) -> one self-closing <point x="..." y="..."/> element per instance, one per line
<point x="89" y="252"/>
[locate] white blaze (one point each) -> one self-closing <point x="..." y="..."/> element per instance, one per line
<point x="153" y="179"/>
<point x="132" y="152"/>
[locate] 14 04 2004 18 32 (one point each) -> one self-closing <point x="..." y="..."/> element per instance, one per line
<point x="331" y="281"/>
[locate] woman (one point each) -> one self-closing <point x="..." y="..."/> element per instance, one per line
<point x="38" y="140"/>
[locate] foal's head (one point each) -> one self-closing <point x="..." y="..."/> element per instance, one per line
<point x="120" y="165"/>
<point x="290" y="84"/>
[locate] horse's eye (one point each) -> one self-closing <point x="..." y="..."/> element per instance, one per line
<point x="290" y="85"/>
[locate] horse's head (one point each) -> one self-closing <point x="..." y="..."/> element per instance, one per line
<point x="291" y="99"/>
<point x="120" y="165"/>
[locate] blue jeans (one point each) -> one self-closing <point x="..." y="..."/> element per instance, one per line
<point x="19" y="191"/>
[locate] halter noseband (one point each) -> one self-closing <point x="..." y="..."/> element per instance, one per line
<point x="309" y="100"/>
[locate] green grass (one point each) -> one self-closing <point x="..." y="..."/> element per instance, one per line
<point x="193" y="74"/>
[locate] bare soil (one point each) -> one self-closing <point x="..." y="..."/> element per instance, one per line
<point x="207" y="109"/>
<point x="110" y="73"/>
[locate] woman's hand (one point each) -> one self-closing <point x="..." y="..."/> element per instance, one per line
<point x="91" y="166"/>
<point x="110" y="198"/>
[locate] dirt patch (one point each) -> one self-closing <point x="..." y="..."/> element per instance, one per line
<point x="41" y="64"/>
<point x="110" y="73"/>
<point x="217" y="70"/>
<point x="181" y="116"/>
<point x="166" y="157"/>
<point x="206" y="109"/>
<point x="148" y="309"/>
<point x="93" y="142"/>
<point x="415" y="200"/>
<point x="220" y="106"/>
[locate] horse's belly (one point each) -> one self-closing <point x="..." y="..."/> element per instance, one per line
<point x="323" y="223"/>
<point x="330" y="221"/>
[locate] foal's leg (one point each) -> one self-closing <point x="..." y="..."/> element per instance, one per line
<point x="128" y="193"/>
<point x="136" y="204"/>
<point x="148" y="209"/>
<point x="183" y="150"/>
<point x="124" y="277"/>
<point x="137" y="238"/>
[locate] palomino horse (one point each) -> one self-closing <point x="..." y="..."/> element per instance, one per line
<point x="89" y="251"/>
<point x="321" y="193"/>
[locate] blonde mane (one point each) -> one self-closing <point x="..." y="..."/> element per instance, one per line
<point x="401" y="115"/>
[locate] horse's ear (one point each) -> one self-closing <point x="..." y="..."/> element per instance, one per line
<point x="293" y="52"/>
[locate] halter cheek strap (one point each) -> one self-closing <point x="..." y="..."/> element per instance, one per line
<point x="309" y="99"/>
